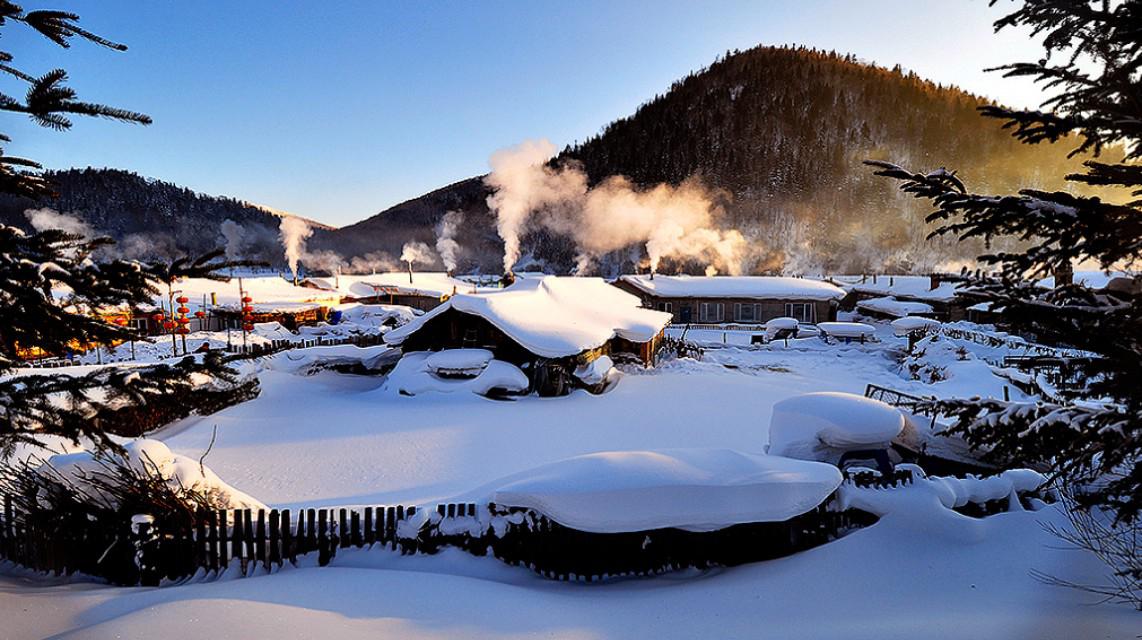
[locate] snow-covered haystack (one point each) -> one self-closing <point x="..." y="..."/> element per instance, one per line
<point x="146" y="457"/>
<point x="418" y="373"/>
<point x="692" y="489"/>
<point x="824" y="425"/>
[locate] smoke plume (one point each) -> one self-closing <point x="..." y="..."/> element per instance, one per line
<point x="446" y="244"/>
<point x="294" y="232"/>
<point x="235" y="237"/>
<point x="669" y="221"/>
<point x="417" y="253"/>
<point x="45" y="218"/>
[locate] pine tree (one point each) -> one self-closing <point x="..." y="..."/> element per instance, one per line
<point x="1091" y="70"/>
<point x="53" y="283"/>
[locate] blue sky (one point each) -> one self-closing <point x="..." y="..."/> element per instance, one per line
<point x="338" y="110"/>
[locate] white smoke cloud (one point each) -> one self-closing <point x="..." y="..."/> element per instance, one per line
<point x="235" y="237"/>
<point x="45" y="218"/>
<point x="446" y="244"/>
<point x="523" y="185"/>
<point x="670" y="221"/>
<point x="294" y="232"/>
<point x="373" y="262"/>
<point x="417" y="253"/>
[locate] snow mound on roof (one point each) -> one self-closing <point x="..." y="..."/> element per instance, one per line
<point x="759" y="287"/>
<point x="272" y="331"/>
<point x="270" y="293"/>
<point x="893" y="307"/>
<point x="904" y="326"/>
<point x="820" y="426"/>
<point x="150" y="457"/>
<point x="693" y="489"/>
<point x="779" y="326"/>
<point x="412" y="376"/>
<point x="433" y="284"/>
<point x="554" y="316"/>
<point x="847" y="329"/>
<point x="458" y="361"/>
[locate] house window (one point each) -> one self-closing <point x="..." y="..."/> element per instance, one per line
<point x="710" y="312"/>
<point x="139" y="324"/>
<point x="668" y="307"/>
<point x="802" y="311"/>
<point x="745" y="312"/>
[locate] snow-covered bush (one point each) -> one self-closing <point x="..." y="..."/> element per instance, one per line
<point x="823" y="426"/>
<point x="415" y="374"/>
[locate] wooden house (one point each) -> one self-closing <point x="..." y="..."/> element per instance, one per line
<point x="734" y="299"/>
<point x="547" y="326"/>
<point x="419" y="290"/>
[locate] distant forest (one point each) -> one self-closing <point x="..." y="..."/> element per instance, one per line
<point x="778" y="132"/>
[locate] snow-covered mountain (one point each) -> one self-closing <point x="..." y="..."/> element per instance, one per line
<point x="778" y="133"/>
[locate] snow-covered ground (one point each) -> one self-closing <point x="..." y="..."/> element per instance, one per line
<point x="334" y="439"/>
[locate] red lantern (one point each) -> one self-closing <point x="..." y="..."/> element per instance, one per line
<point x="183" y="321"/>
<point x="158" y="317"/>
<point x="248" y="309"/>
<point x="182" y="331"/>
<point x="168" y="325"/>
<point x="183" y="310"/>
<point x="200" y="314"/>
<point x="182" y="299"/>
<point x="247" y="299"/>
<point x="247" y="327"/>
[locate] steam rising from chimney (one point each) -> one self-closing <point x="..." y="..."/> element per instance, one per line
<point x="235" y="237"/>
<point x="294" y="232"/>
<point x="416" y="252"/>
<point x="446" y="244"/>
<point x="670" y="221"/>
<point x="45" y="218"/>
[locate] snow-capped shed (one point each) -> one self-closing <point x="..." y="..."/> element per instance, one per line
<point x="741" y="299"/>
<point x="418" y="290"/>
<point x="548" y="326"/>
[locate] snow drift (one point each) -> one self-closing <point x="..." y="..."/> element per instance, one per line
<point x="692" y="489"/>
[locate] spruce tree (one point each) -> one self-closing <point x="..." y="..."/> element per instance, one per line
<point x="53" y="284"/>
<point x="1091" y="71"/>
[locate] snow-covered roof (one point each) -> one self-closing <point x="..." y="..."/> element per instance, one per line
<point x="554" y="316"/>
<point x="893" y="307"/>
<point x="1092" y="279"/>
<point x="918" y="287"/>
<point x="803" y="425"/>
<point x="693" y="489"/>
<point x="756" y="287"/>
<point x="424" y="283"/>
<point x="270" y="293"/>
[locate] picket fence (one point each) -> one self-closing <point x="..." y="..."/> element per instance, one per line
<point x="245" y="542"/>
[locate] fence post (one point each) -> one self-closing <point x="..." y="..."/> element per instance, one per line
<point x="370" y="537"/>
<point x="311" y="531"/>
<point x="212" y="550"/>
<point x="343" y="529"/>
<point x="355" y="529"/>
<point x="288" y="540"/>
<point x="274" y="556"/>
<point x="223" y="539"/>
<point x="260" y="540"/>
<point x="201" y="543"/>
<point x="322" y="537"/>
<point x="248" y="534"/>
<point x="237" y="539"/>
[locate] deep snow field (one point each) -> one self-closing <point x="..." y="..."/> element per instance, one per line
<point x="337" y="440"/>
